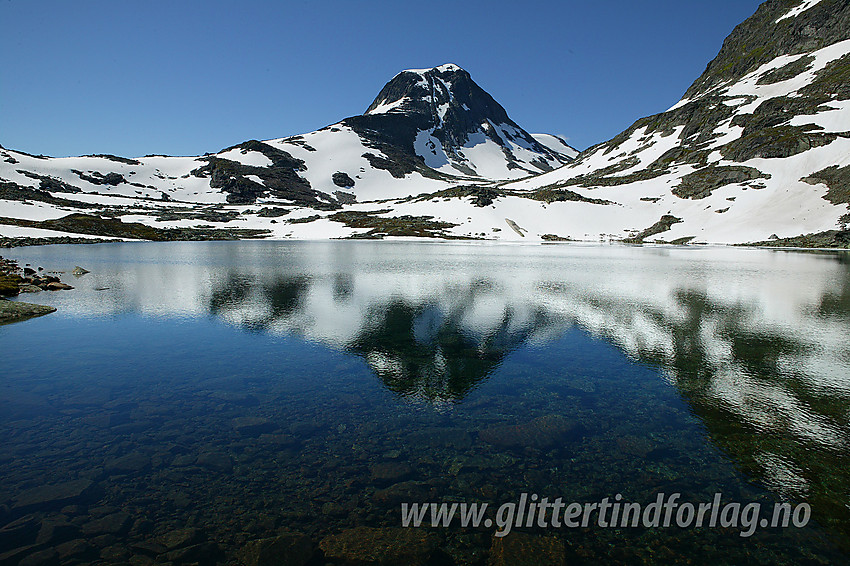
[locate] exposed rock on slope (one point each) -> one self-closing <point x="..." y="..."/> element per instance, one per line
<point x="245" y="183"/>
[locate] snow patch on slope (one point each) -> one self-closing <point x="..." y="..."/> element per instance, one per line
<point x="387" y="107"/>
<point x="245" y="157"/>
<point x="556" y="143"/>
<point x="748" y="86"/>
<point x="797" y="10"/>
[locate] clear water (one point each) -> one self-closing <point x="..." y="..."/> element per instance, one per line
<point x="382" y="372"/>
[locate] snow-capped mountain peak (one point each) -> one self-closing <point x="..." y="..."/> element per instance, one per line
<point x="421" y="90"/>
<point x="460" y="128"/>
<point x="442" y="68"/>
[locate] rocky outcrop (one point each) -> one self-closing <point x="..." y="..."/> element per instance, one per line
<point x="830" y="239"/>
<point x="342" y="180"/>
<point x="97" y="178"/>
<point x="281" y="179"/>
<point x="116" y="158"/>
<point x="699" y="184"/>
<point x="48" y="183"/>
<point x="27" y="241"/>
<point x="773" y="143"/>
<point x="14" y="311"/>
<point x="663" y="225"/>
<point x="13" y="191"/>
<point x="837" y="179"/>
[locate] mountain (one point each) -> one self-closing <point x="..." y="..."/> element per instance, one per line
<point x="757" y="150"/>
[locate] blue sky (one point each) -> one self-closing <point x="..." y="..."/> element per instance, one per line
<point x="184" y="78"/>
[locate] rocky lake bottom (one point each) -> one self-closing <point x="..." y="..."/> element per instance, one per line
<point x="276" y="403"/>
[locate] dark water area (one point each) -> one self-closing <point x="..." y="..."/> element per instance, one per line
<point x="278" y="402"/>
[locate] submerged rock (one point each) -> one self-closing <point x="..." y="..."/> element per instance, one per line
<point x="541" y="433"/>
<point x="457" y="438"/>
<point x="635" y="446"/>
<point x="52" y="495"/>
<point x="522" y="549"/>
<point x="55" y="531"/>
<point x="288" y="549"/>
<point x="73" y="549"/>
<point x="133" y="462"/>
<point x="389" y="546"/>
<point x="215" y="461"/>
<point x="22" y="531"/>
<point x="481" y="463"/>
<point x="181" y="537"/>
<point x="149" y="547"/>
<point x="114" y="524"/>
<point x="390" y="471"/>
<point x="203" y="553"/>
<point x="43" y="557"/>
<point x="115" y="553"/>
<point x="253" y="426"/>
<point x="15" y="555"/>
<point x="408" y="491"/>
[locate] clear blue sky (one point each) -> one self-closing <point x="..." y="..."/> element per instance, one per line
<point x="184" y="78"/>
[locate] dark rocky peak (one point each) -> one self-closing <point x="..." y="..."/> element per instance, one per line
<point x="444" y="93"/>
<point x="446" y="100"/>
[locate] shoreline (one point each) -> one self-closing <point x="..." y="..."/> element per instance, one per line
<point x="19" y="242"/>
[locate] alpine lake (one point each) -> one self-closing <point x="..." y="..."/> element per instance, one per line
<point x="277" y="402"/>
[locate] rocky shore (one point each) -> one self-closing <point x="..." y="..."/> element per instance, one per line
<point x="15" y="280"/>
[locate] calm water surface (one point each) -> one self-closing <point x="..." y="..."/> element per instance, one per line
<point x="243" y="389"/>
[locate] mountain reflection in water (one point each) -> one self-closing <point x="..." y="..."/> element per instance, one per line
<point x="756" y="342"/>
<point x="433" y="347"/>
